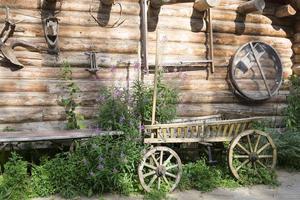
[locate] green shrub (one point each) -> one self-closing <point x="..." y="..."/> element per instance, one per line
<point x="288" y="149"/>
<point x="156" y="195"/>
<point x="292" y="111"/>
<point x="167" y="99"/>
<point x="41" y="183"/>
<point x="15" y="183"/>
<point x="69" y="91"/>
<point x="205" y="178"/>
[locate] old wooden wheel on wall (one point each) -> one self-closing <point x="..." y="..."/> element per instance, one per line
<point x="252" y="148"/>
<point x="256" y="71"/>
<point x="160" y="168"/>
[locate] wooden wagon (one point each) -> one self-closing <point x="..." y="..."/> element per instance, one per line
<point x="161" y="164"/>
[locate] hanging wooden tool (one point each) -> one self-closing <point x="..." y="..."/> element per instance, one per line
<point x="50" y="23"/>
<point x="108" y="3"/>
<point x="93" y="61"/>
<point x="6" y="46"/>
<point x="199" y="5"/>
<point x="256" y="72"/>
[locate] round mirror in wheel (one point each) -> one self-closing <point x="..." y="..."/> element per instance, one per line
<point x="160" y="168"/>
<point x="256" y="71"/>
<point x="251" y="149"/>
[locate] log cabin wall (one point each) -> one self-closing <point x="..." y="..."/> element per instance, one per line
<point x="296" y="46"/>
<point x="29" y="97"/>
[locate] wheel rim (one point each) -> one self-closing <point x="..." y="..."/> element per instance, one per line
<point x="160" y="168"/>
<point x="252" y="149"/>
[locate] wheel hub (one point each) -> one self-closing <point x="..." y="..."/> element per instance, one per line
<point x="161" y="170"/>
<point x="253" y="157"/>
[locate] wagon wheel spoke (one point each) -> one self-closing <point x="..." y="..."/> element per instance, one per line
<point x="171" y="167"/>
<point x="249" y="143"/>
<point x="158" y="184"/>
<point x="166" y="180"/>
<point x="261" y="164"/>
<point x="171" y="175"/>
<point x="265" y="156"/>
<point x="154" y="159"/>
<point x="168" y="160"/>
<point x="243" y="164"/>
<point x="149" y="174"/>
<point x="150" y="166"/>
<point x="161" y="157"/>
<point x="263" y="148"/>
<point x="152" y="180"/>
<point x="241" y="156"/>
<point x="257" y="143"/>
<point x="243" y="148"/>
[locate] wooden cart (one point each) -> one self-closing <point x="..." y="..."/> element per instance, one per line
<point x="161" y="164"/>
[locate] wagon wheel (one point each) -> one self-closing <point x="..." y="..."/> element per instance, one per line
<point x="253" y="149"/>
<point x="160" y="168"/>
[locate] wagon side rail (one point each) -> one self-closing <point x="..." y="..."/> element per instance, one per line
<point x="205" y="131"/>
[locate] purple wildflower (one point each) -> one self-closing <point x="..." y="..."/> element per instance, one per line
<point x="115" y="170"/>
<point x="92" y="174"/>
<point x="100" y="166"/>
<point x="85" y="162"/>
<point x="101" y="159"/>
<point x="142" y="127"/>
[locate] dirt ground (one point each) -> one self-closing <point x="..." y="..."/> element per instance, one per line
<point x="289" y="189"/>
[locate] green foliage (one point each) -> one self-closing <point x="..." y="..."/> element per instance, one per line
<point x="250" y="176"/>
<point x="205" y="178"/>
<point x="292" y="111"/>
<point x="15" y="183"/>
<point x="70" y="89"/>
<point x="156" y="195"/>
<point x="288" y="149"/>
<point x="166" y="101"/>
<point x="114" y="112"/>
<point x="41" y="183"/>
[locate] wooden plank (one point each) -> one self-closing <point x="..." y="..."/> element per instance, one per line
<point x="26" y="136"/>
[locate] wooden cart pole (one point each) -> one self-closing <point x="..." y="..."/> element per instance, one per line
<point x="144" y="32"/>
<point x="211" y="40"/>
<point x="157" y="63"/>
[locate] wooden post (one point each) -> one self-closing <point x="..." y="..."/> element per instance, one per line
<point x="159" y="3"/>
<point x="144" y="36"/>
<point x="108" y="2"/>
<point x="157" y="63"/>
<point x="285" y="11"/>
<point x="251" y="6"/>
<point x="202" y="5"/>
<point x="211" y="40"/>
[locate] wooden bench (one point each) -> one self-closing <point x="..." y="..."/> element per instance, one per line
<point x="15" y="138"/>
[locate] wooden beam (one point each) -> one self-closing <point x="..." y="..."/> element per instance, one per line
<point x="251" y="6"/>
<point x="202" y="5"/>
<point x="108" y="2"/>
<point x="295" y="4"/>
<point x="285" y="11"/>
<point x="159" y="3"/>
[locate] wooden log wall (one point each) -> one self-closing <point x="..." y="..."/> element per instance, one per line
<point x="296" y="46"/>
<point x="29" y="97"/>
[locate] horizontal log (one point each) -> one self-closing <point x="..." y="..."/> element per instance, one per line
<point x="296" y="69"/>
<point x="230" y="109"/>
<point x="38" y="114"/>
<point x="252" y="6"/>
<point x="285" y="11"/>
<point x="92" y="98"/>
<point x="297" y="37"/>
<point x="159" y="3"/>
<point x="202" y="5"/>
